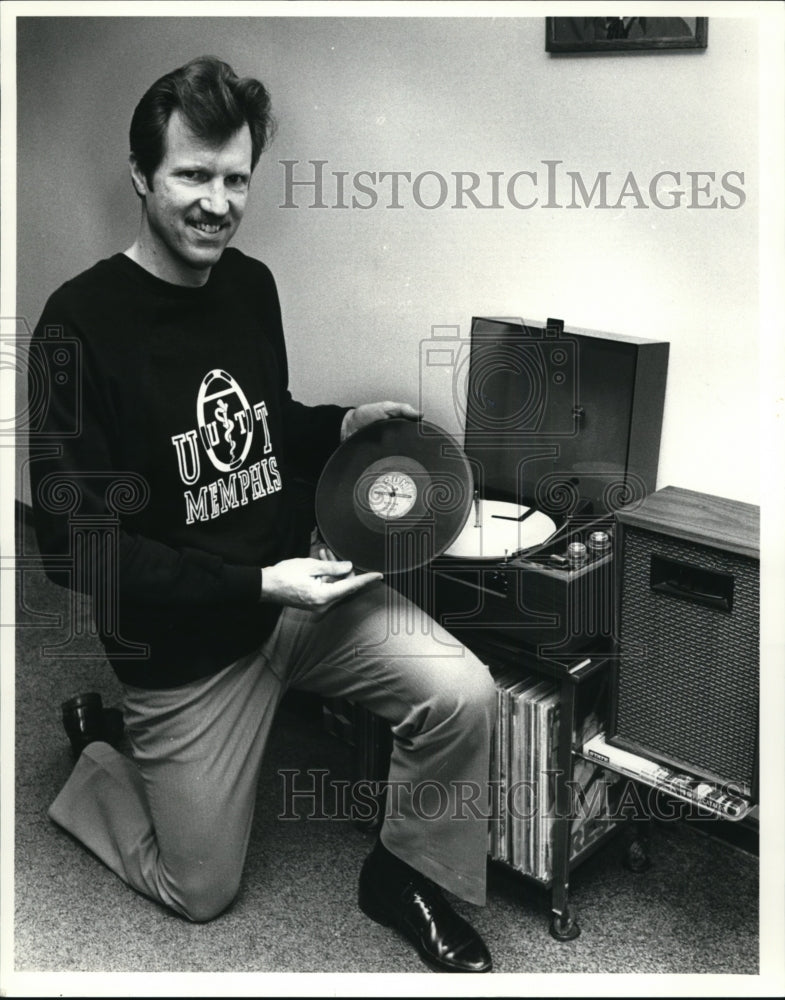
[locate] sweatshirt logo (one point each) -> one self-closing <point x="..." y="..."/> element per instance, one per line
<point x="225" y="423"/>
<point x="224" y="419"/>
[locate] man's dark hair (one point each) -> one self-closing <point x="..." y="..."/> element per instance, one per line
<point x="214" y="102"/>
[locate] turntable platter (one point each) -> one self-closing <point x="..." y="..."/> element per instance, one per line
<point x="500" y="530"/>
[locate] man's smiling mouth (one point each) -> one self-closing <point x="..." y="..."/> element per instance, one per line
<point x="208" y="227"/>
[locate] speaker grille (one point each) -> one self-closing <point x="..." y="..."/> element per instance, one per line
<point x="688" y="681"/>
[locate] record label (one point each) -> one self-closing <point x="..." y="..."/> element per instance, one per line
<point x="389" y="489"/>
<point x="394" y="495"/>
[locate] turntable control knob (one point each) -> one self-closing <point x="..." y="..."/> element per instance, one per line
<point x="576" y="553"/>
<point x="599" y="542"/>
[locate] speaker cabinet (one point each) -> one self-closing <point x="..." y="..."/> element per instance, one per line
<point x="686" y="682"/>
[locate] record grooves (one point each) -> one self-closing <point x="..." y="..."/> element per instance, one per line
<point x="394" y="495"/>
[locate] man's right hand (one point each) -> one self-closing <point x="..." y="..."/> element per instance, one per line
<point x="312" y="584"/>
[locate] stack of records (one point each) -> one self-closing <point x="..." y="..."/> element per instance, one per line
<point x="524" y="768"/>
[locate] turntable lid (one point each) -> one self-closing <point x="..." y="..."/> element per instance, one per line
<point x="503" y="528"/>
<point x="560" y="418"/>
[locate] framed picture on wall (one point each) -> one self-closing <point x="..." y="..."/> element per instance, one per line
<point x="607" y="34"/>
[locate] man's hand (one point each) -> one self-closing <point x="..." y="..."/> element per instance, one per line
<point x="312" y="584"/>
<point x="369" y="413"/>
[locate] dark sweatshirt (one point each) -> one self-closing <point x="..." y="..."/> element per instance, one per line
<point x="167" y="455"/>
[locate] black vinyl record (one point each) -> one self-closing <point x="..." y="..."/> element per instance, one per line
<point x="394" y="495"/>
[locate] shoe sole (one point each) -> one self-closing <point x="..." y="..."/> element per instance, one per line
<point x="371" y="908"/>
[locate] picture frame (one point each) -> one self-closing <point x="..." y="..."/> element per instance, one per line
<point x="625" y="34"/>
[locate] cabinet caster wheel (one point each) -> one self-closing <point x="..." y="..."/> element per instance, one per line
<point x="564" y="927"/>
<point x="636" y="857"/>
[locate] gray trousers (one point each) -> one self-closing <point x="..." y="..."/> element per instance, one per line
<point x="175" y="821"/>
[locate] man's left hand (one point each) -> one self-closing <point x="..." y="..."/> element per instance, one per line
<point x="369" y="413"/>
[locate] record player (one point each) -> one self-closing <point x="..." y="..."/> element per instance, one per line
<point x="562" y="427"/>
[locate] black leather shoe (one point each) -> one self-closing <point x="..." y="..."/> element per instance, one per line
<point x="85" y="721"/>
<point x="418" y="909"/>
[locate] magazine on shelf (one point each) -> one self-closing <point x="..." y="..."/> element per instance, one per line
<point x="718" y="799"/>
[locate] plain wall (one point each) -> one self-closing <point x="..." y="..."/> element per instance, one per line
<point x="362" y="288"/>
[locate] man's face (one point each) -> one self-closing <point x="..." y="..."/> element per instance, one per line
<point x="195" y="204"/>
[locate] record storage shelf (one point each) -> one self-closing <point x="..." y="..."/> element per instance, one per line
<point x="571" y="676"/>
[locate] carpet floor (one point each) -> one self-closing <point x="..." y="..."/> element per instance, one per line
<point x="695" y="911"/>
